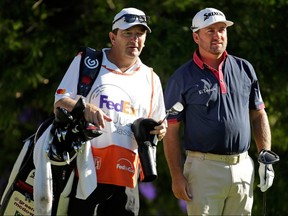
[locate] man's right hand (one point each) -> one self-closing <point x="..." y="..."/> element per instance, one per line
<point x="181" y="189"/>
<point x="95" y="115"/>
<point x="92" y="113"/>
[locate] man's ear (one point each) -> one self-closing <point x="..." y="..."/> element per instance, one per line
<point x="195" y="37"/>
<point x="112" y="37"/>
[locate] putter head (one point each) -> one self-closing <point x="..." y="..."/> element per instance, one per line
<point x="268" y="157"/>
<point x="176" y="108"/>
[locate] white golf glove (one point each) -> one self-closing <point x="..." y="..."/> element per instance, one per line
<point x="266" y="174"/>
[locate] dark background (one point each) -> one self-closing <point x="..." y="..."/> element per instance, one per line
<point x="39" y="39"/>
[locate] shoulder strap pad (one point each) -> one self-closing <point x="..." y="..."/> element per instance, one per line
<point x="90" y="65"/>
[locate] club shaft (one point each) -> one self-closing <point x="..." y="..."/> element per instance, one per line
<point x="164" y="118"/>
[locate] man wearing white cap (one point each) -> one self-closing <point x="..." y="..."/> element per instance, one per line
<point x="221" y="96"/>
<point x="125" y="90"/>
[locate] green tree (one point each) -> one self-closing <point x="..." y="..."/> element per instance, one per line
<point x="40" y="38"/>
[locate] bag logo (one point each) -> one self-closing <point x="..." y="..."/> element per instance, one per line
<point x="91" y="63"/>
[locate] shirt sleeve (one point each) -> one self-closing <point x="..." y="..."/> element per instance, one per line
<point x="255" y="100"/>
<point x="68" y="85"/>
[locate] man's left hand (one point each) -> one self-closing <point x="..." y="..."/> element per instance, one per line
<point x="266" y="174"/>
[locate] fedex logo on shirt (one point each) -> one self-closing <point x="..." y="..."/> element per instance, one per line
<point x="120" y="106"/>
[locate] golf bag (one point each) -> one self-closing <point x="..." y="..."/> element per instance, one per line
<point x="147" y="144"/>
<point x="17" y="198"/>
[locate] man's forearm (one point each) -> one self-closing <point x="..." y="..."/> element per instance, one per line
<point x="66" y="103"/>
<point x="261" y="131"/>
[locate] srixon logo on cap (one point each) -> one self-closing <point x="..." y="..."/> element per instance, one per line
<point x="207" y="15"/>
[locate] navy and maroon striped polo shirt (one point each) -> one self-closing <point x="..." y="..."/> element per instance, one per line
<point x="216" y="104"/>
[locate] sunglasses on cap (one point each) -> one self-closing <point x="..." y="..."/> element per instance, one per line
<point x="130" y="18"/>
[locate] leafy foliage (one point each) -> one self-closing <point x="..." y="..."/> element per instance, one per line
<point x="40" y="38"/>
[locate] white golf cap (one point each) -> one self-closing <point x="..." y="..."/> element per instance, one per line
<point x="120" y="21"/>
<point x="207" y="17"/>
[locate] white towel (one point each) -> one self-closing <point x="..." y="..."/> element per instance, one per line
<point x="43" y="190"/>
<point x="43" y="176"/>
<point x="87" y="174"/>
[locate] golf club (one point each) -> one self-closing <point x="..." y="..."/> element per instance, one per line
<point x="174" y="110"/>
<point x="267" y="157"/>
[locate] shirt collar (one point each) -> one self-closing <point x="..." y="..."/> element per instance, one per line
<point x="200" y="63"/>
<point x="112" y="67"/>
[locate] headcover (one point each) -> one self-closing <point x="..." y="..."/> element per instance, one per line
<point x="146" y="147"/>
<point x="70" y="130"/>
<point x="141" y="128"/>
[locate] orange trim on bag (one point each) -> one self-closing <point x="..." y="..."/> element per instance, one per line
<point x="116" y="165"/>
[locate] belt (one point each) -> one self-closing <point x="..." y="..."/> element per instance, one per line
<point x="229" y="159"/>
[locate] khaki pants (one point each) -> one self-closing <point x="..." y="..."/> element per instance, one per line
<point x="219" y="187"/>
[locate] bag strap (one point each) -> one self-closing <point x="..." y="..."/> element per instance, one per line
<point x="90" y="65"/>
<point x="89" y="69"/>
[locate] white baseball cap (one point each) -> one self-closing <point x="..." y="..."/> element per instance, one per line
<point x="129" y="17"/>
<point x="208" y="16"/>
